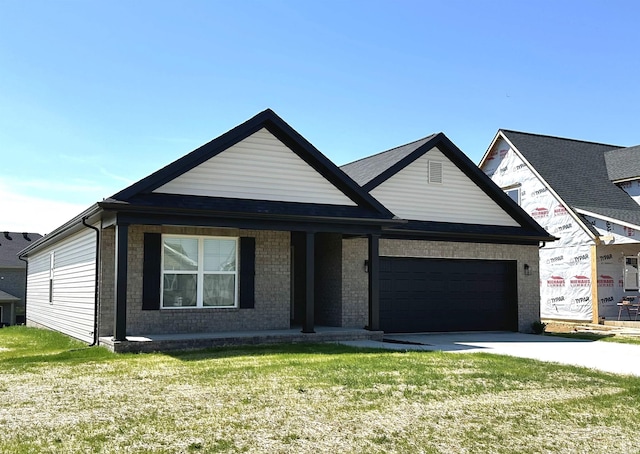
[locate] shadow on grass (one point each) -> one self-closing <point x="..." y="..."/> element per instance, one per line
<point x="272" y="349"/>
<point x="71" y="356"/>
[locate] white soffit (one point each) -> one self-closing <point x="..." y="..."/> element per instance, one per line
<point x="259" y="167"/>
<point x="608" y="219"/>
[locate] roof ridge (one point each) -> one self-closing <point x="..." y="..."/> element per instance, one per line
<point x="563" y="138"/>
<point x="623" y="148"/>
<point x="391" y="149"/>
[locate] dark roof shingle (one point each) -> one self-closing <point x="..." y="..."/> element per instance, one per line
<point x="577" y="171"/>
<point x="623" y="164"/>
<point x="13" y="242"/>
<point x="366" y="169"/>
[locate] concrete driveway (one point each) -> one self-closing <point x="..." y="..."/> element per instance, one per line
<point x="603" y="356"/>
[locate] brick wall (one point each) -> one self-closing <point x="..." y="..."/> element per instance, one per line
<point x="528" y="286"/>
<point x="106" y="286"/>
<point x="328" y="275"/>
<point x="355" y="283"/>
<point x="272" y="289"/>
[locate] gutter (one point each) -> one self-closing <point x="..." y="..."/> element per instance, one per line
<point x="66" y="227"/>
<point x="95" y="295"/>
<point x="26" y="276"/>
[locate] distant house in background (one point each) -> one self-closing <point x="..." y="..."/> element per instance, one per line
<point x="588" y="195"/>
<point x="13" y="275"/>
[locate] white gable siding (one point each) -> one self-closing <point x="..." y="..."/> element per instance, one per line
<point x="410" y="195"/>
<point x="72" y="309"/>
<point x="259" y="167"/>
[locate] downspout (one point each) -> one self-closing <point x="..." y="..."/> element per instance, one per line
<point x="26" y="276"/>
<point x="95" y="296"/>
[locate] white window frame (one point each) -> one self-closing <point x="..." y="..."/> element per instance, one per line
<point x="634" y="285"/>
<point x="518" y="192"/>
<point x="200" y="272"/>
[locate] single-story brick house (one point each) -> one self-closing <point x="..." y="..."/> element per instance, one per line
<point x="258" y="230"/>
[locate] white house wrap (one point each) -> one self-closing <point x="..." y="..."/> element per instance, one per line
<point x="567" y="187"/>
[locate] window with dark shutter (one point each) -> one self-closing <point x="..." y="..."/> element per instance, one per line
<point x="151" y="271"/>
<point x="247" y="272"/>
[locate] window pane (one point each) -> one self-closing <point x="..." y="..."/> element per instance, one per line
<point x="514" y="194"/>
<point x="179" y="290"/>
<point x="631" y="273"/>
<point x="180" y="254"/>
<point x="219" y="290"/>
<point x="219" y="255"/>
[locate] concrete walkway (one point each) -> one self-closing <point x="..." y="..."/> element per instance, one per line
<point x="603" y="356"/>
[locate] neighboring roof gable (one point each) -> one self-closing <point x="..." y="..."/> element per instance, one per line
<point x="387" y="168"/>
<point x="576" y="171"/>
<point x="623" y="164"/>
<point x="11" y="243"/>
<point x="268" y="160"/>
<point x="8" y="297"/>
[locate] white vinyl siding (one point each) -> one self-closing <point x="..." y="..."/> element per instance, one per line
<point x="71" y="310"/>
<point x="409" y="195"/>
<point x="259" y="167"/>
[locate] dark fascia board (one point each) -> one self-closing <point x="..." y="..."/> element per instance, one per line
<point x="280" y="129"/>
<point x="124" y="213"/>
<point x="91" y="215"/>
<point x="460" y="160"/>
<point x="463" y="237"/>
<point x="404" y="162"/>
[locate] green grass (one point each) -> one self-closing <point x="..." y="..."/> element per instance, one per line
<point x="56" y="395"/>
<point x="617" y="338"/>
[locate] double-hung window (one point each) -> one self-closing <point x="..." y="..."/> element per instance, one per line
<point x="199" y="271"/>
<point x="631" y="275"/>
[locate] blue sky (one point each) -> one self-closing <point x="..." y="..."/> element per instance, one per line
<point x="95" y="95"/>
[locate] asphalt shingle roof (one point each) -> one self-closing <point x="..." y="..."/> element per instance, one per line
<point x="13" y="242"/>
<point x="623" y="163"/>
<point x="364" y="170"/>
<point x="577" y="171"/>
<point x="373" y="170"/>
<point x="7" y="297"/>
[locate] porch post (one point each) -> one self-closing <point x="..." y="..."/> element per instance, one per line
<point x="308" y="324"/>
<point x="374" y="282"/>
<point x="120" y="312"/>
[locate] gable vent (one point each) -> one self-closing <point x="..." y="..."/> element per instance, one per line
<point x="435" y="172"/>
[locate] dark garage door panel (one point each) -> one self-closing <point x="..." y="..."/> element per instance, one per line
<point x="419" y="294"/>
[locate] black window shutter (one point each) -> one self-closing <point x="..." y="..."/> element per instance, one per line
<point x="151" y="272"/>
<point x="247" y="272"/>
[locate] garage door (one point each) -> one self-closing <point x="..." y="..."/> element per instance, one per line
<point x="418" y="294"/>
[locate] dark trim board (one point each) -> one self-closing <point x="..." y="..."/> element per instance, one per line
<point x="384" y="170"/>
<point x="256" y="222"/>
<point x="280" y="129"/>
<point x="429" y="294"/>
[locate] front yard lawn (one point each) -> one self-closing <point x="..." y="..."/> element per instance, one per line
<point x="56" y="395"/>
